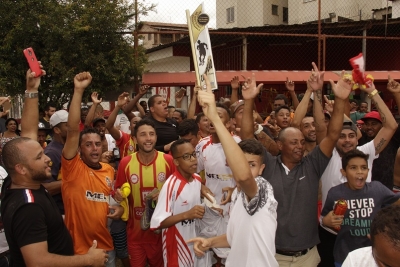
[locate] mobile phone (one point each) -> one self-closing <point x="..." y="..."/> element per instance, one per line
<point x="32" y="61"/>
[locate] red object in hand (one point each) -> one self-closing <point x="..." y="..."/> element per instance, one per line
<point x="340" y="208"/>
<point x="358" y="65"/>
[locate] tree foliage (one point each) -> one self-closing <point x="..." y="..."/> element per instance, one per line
<point x="69" y="36"/>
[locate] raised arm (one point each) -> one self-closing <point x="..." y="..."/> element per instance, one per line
<point x="90" y="116"/>
<point x="249" y="91"/>
<point x="342" y="91"/>
<point x="141" y="110"/>
<point x="234" y="155"/>
<point x="131" y="104"/>
<point x="389" y="124"/>
<point x="122" y="100"/>
<point x="290" y="87"/>
<point x="81" y="81"/>
<point x="235" y="87"/>
<point x="193" y="103"/>
<point x="30" y="112"/>
<point x="301" y="109"/>
<point x="316" y="82"/>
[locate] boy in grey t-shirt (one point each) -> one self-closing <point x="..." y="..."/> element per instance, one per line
<point x="363" y="199"/>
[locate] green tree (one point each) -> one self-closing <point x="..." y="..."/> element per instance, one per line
<point x="69" y="36"/>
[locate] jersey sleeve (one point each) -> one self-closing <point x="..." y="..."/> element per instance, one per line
<point x="122" y="176"/>
<point x="119" y="142"/>
<point x="31" y="230"/>
<point x="67" y="166"/>
<point x="171" y="166"/>
<point x="164" y="206"/>
<point x="388" y="196"/>
<point x="329" y="203"/>
<point x="200" y="160"/>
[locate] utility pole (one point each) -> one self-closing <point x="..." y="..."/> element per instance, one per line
<point x="135" y="47"/>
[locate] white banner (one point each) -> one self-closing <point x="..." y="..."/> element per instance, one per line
<point x="201" y="46"/>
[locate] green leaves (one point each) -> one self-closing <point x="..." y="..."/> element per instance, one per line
<point x="69" y="36"/>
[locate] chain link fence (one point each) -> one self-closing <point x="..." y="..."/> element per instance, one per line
<point x="284" y="35"/>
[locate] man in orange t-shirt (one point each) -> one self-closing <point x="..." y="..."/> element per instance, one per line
<point x="86" y="183"/>
<point x="144" y="170"/>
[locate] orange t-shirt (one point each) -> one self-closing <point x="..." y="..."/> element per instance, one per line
<point x="142" y="179"/>
<point x="86" y="196"/>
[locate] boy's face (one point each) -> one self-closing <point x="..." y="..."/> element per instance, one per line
<point x="385" y="254"/>
<point x="256" y="166"/>
<point x="185" y="161"/>
<point x="356" y="173"/>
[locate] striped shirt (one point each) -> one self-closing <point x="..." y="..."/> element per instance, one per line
<point x="177" y="196"/>
<point x="142" y="179"/>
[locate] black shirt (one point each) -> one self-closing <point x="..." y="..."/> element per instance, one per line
<point x="166" y="132"/>
<point x="383" y="166"/>
<point x="31" y="216"/>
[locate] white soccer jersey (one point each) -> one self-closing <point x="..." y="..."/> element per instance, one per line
<point x="252" y="227"/>
<point x="177" y="196"/>
<point x="211" y="158"/>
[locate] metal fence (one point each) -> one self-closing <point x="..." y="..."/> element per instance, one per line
<point x="284" y="35"/>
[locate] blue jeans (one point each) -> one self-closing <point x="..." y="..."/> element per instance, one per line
<point x="111" y="259"/>
<point x="338" y="264"/>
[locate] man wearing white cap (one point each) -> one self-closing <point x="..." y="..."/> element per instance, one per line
<point x="58" y="123"/>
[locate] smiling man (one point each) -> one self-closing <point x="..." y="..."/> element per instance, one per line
<point x="144" y="170"/>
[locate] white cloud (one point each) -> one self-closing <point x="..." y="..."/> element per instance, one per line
<point x="174" y="11"/>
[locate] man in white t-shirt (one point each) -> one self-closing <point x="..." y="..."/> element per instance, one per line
<point x="252" y="226"/>
<point x="348" y="141"/>
<point x="385" y="238"/>
<point x="179" y="206"/>
<point x="211" y="158"/>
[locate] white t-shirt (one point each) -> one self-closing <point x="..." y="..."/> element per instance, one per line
<point x="177" y="196"/>
<point x="123" y="121"/>
<point x="3" y="240"/>
<point x="110" y="142"/>
<point x="332" y="175"/>
<point x="211" y="158"/>
<point x="361" y="257"/>
<point x="251" y="228"/>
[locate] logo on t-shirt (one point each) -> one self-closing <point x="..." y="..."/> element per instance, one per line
<point x="94" y="196"/>
<point x="162" y="177"/>
<point x="134" y="179"/>
<point x="184" y="203"/>
<point x="130" y="148"/>
<point x="108" y="181"/>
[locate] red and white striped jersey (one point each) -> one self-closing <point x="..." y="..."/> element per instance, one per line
<point x="177" y="196"/>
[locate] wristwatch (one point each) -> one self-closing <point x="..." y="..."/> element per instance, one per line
<point x="31" y="94"/>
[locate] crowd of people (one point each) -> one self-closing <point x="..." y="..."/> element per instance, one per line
<point x="157" y="185"/>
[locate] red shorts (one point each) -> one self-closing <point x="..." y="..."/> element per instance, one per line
<point x="139" y="254"/>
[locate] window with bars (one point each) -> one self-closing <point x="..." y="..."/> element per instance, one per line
<point x="230" y="14"/>
<point x="275" y="10"/>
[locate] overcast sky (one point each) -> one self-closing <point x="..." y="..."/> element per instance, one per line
<point x="173" y="11"/>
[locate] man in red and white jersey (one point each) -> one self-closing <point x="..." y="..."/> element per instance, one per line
<point x="178" y="206"/>
<point x="144" y="170"/>
<point x="211" y="158"/>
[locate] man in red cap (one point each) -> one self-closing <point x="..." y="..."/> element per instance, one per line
<point x="382" y="169"/>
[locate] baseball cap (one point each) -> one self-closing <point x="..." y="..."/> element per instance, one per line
<point x="348" y="124"/>
<point x="360" y="122"/>
<point x="58" y="117"/>
<point x="97" y="120"/>
<point x="372" y="115"/>
<point x="235" y="106"/>
<point x="42" y="126"/>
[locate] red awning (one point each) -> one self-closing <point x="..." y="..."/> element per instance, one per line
<point x="271" y="77"/>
